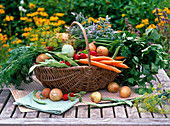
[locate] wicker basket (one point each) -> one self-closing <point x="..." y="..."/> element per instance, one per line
<point x="75" y="79"/>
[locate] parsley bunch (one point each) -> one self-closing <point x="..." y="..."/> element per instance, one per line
<point x="143" y="60"/>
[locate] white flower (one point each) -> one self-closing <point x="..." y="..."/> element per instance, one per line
<point x="124" y="35"/>
<point x="21" y="2"/>
<point x="24" y="10"/>
<point x="129" y="38"/>
<point x="20" y="8"/>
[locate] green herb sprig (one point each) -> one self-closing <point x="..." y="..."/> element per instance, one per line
<point x="15" y="70"/>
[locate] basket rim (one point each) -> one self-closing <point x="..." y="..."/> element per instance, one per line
<point x="71" y="68"/>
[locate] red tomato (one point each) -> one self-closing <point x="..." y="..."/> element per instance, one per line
<point x="93" y="53"/>
<point x="72" y="94"/>
<point x="62" y="61"/>
<point x="76" y="57"/>
<point x="50" y="48"/>
<point x="82" y="56"/>
<point x="65" y="97"/>
<point x="67" y="63"/>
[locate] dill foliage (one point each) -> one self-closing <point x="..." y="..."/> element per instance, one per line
<point x="15" y="69"/>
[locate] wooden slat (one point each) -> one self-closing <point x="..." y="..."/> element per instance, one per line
<point x="162" y="76"/>
<point x="83" y="111"/>
<point x="43" y="115"/>
<point x="9" y="108"/>
<point x="83" y="121"/>
<point x="4" y="97"/>
<point x="132" y="112"/>
<point x="18" y="114"/>
<point x="120" y="111"/>
<point x="145" y="114"/>
<point x="70" y="113"/>
<point x="108" y="112"/>
<point x="31" y="114"/>
<point x="95" y="113"/>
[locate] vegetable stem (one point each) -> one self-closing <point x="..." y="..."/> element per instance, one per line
<point x="104" y="105"/>
<point x="116" y="52"/>
<point x="36" y="99"/>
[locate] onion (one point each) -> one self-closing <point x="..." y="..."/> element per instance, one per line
<point x="92" y="46"/>
<point x="56" y="94"/>
<point x="96" y="97"/>
<point x="113" y="87"/>
<point x="46" y="92"/>
<point x="125" y="91"/>
<point x="42" y="58"/>
<point x="68" y="49"/>
<point x="102" y="51"/>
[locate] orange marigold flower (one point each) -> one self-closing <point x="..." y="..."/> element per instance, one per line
<point x="1" y="6"/>
<point x="40" y="9"/>
<point x="5" y="45"/>
<point x="32" y="6"/>
<point x="151" y="26"/>
<point x="2" y="11"/>
<point x="10" y="49"/>
<point x="11" y="18"/>
<point x="140" y="26"/>
<point x="7" y="18"/>
<point x="123" y="15"/>
<point x="145" y="21"/>
<point x="23" y="18"/>
<point x="59" y="14"/>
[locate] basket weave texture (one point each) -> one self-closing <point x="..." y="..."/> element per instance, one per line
<point x="75" y="79"/>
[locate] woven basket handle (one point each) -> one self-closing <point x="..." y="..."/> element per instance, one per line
<point x="86" y="40"/>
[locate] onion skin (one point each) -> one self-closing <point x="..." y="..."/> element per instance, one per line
<point x="102" y="51"/>
<point x="42" y="58"/>
<point x="46" y="92"/>
<point x="113" y="87"/>
<point x="56" y="94"/>
<point x="92" y="46"/>
<point x="96" y="97"/>
<point x="125" y="92"/>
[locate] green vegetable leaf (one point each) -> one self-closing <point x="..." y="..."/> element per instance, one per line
<point x="154" y="67"/>
<point x="131" y="80"/>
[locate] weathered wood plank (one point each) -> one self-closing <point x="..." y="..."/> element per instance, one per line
<point x="70" y="113"/>
<point x="145" y="114"/>
<point x="83" y="111"/>
<point x="31" y="114"/>
<point x="95" y="113"/>
<point x="132" y="112"/>
<point x="43" y="115"/>
<point x="162" y="76"/>
<point x="18" y="114"/>
<point x="120" y="111"/>
<point x="83" y="122"/>
<point x="108" y="112"/>
<point x="4" y="97"/>
<point x="9" y="108"/>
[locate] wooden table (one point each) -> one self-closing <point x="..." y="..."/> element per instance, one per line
<point x="83" y="115"/>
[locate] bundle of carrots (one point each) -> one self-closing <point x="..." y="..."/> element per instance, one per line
<point x="105" y="62"/>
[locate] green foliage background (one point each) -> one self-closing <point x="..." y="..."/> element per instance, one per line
<point x="135" y="10"/>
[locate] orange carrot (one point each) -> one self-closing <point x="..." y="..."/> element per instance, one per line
<point x="90" y="56"/>
<point x="119" y="57"/>
<point x="110" y="62"/>
<point x="121" y="65"/>
<point x="98" y="58"/>
<point x="101" y="65"/>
